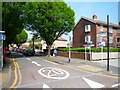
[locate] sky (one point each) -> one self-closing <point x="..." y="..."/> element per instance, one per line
<point x="101" y="8"/>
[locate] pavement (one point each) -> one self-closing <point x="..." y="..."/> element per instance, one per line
<point x="90" y="66"/>
<point x="5" y="74"/>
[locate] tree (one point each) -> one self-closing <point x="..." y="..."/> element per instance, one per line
<point x="21" y="38"/>
<point x="12" y="24"/>
<point x="49" y="19"/>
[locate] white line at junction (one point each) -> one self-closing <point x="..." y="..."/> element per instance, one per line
<point x="45" y="86"/>
<point x="115" y="85"/>
<point x="93" y="84"/>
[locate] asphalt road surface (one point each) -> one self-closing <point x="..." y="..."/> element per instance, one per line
<point x="36" y="72"/>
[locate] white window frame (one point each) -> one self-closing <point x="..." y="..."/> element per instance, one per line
<point x="87" y="38"/>
<point x="87" y="28"/>
<point x="101" y="28"/>
<point x="110" y="29"/>
<point x="110" y="39"/>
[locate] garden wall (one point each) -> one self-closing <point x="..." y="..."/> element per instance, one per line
<point x="94" y="56"/>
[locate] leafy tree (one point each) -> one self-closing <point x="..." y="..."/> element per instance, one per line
<point x="21" y="38"/>
<point x="11" y="22"/>
<point x="49" y="19"/>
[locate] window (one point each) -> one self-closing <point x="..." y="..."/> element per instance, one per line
<point x="101" y="38"/>
<point x="110" y="39"/>
<point x="110" y="29"/>
<point x="87" y="38"/>
<point x="101" y="28"/>
<point x="87" y="28"/>
<point x="118" y="39"/>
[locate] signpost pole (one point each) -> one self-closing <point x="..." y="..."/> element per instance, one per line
<point x="90" y="53"/>
<point x="85" y="54"/>
<point x="107" y="42"/>
<point x="102" y="53"/>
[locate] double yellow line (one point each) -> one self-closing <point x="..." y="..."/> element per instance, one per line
<point x="16" y="69"/>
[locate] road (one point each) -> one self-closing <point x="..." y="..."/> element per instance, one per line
<point x="36" y="72"/>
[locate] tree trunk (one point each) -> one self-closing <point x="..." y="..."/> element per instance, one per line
<point x="49" y="48"/>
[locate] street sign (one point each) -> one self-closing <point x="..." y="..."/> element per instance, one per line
<point x="90" y="44"/>
<point x="2" y="36"/>
<point x="99" y="44"/>
<point x="85" y="44"/>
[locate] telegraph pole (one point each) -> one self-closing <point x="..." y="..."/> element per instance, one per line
<point x="107" y="42"/>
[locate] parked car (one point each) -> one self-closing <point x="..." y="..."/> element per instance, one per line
<point x="28" y="52"/>
<point x="20" y="50"/>
<point x="8" y="52"/>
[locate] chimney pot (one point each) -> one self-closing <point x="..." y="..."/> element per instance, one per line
<point x="94" y="17"/>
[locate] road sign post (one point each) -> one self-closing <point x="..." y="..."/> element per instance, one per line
<point x="88" y="45"/>
<point x="107" y="42"/>
<point x="100" y="44"/>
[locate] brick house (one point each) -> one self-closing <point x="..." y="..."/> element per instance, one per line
<point x="94" y="30"/>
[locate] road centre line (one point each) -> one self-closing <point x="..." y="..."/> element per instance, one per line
<point x="33" y="62"/>
<point x="28" y="59"/>
<point x="36" y="63"/>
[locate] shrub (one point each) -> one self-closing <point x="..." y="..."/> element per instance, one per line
<point x="87" y="50"/>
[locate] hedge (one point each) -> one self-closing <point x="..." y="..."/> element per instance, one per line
<point x="93" y="49"/>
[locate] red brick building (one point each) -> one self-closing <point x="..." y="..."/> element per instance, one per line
<point x="94" y="30"/>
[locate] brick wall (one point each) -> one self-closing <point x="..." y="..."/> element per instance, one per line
<point x="79" y="33"/>
<point x="74" y="55"/>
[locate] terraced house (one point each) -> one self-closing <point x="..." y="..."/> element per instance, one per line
<point x="94" y="30"/>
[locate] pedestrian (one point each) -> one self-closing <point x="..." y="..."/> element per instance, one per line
<point x="55" y="52"/>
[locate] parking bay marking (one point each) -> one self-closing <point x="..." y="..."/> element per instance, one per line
<point x="53" y="73"/>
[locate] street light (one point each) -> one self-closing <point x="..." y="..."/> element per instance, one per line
<point x="69" y="37"/>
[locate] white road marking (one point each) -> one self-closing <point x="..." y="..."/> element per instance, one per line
<point x="28" y="59"/>
<point x="36" y="63"/>
<point x="115" y="85"/>
<point x="53" y="73"/>
<point x="45" y="86"/>
<point x="93" y="84"/>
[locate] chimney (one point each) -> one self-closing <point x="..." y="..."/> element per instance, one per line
<point x="94" y="17"/>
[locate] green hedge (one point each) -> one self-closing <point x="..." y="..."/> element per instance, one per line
<point x="93" y="49"/>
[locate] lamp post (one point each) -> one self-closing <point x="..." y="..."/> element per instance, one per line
<point x="69" y="54"/>
<point x="33" y="41"/>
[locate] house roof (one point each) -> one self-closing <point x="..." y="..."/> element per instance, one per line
<point x="100" y="22"/>
<point x="96" y="21"/>
<point x="61" y="39"/>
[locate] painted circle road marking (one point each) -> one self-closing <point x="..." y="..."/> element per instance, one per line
<point x="53" y="73"/>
